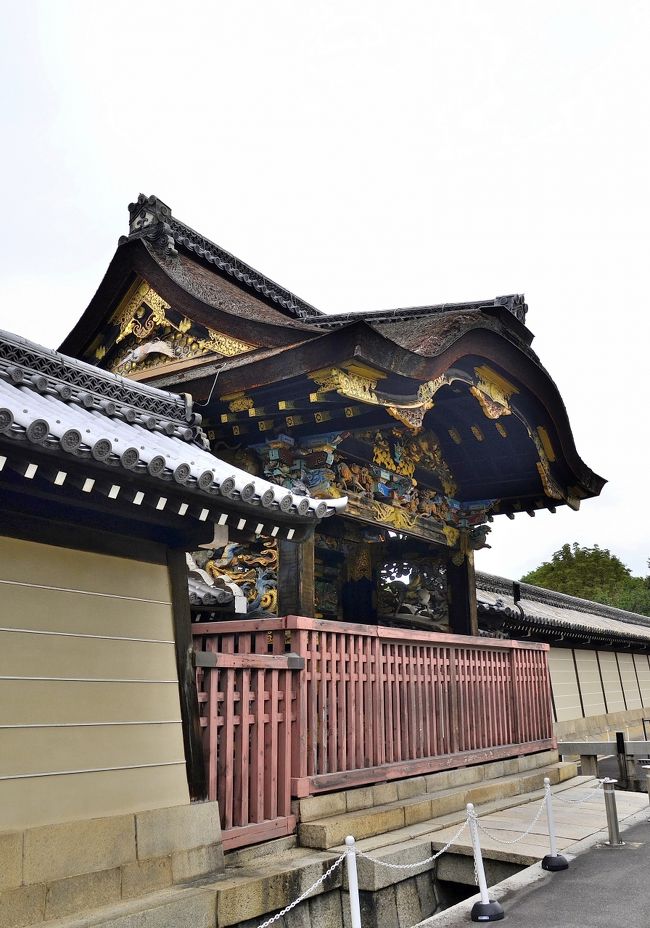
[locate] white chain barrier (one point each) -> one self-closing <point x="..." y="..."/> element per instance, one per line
<point x="419" y="863"/>
<point x="487" y="909"/>
<point x="521" y="837"/>
<point x="303" y="896"/>
<point x="578" y="802"/>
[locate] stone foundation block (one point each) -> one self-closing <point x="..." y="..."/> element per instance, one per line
<point x="80" y="893"/>
<point x="146" y="876"/>
<point x="179" y="828"/>
<point x="406" y="789"/>
<point x="296" y="918"/>
<point x="383" y="793"/>
<point x="325" y="911"/>
<point x="566" y="771"/>
<point x="198" y="861"/>
<point x="379" y="908"/>
<point x="486" y="792"/>
<point x="428" y="901"/>
<point x="544" y="758"/>
<point x="416" y="812"/>
<point x="240" y="899"/>
<point x="496" y="769"/>
<point x="22" y="906"/>
<point x="11" y="859"/>
<point x="54" y="852"/>
<point x="357" y="799"/>
<point x="196" y="910"/>
<point x="407" y="901"/>
<point x="373" y="876"/>
<point x="332" y="832"/>
<point x="449" y="779"/>
<point x="315" y="807"/>
<point x="452" y="802"/>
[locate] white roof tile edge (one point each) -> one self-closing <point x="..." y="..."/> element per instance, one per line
<point x="26" y="405"/>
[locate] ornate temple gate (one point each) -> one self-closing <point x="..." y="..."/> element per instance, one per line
<point x="332" y="705"/>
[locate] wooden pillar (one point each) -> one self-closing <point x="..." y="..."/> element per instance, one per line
<point x="296" y="589"/>
<point x="186" y="674"/>
<point x="461" y="594"/>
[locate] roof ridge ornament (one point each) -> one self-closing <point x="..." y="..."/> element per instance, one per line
<point x="149" y="218"/>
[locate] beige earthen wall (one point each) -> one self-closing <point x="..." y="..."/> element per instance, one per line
<point x="90" y="720"/>
<point x="599" y="685"/>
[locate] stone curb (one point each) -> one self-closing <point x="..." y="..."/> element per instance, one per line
<point x="460" y="914"/>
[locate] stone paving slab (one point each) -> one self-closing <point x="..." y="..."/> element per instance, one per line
<point x="572" y="823"/>
<point x="433" y="828"/>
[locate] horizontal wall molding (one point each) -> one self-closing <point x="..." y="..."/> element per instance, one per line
<point x="38" y="631"/>
<point x="91" y="724"/>
<point x="66" y="589"/>
<point x="68" y="773"/>
<point x="87" y="679"/>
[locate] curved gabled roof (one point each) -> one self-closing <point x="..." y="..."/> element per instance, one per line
<point x="445" y="350"/>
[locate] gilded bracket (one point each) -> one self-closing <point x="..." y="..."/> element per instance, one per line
<point x="493" y="392"/>
<point x="132" y="318"/>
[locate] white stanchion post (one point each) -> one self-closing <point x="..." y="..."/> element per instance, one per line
<point x="487" y="910"/>
<point x="353" y="882"/>
<point x="552" y="861"/>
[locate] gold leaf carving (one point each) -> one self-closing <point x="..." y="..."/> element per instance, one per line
<point x="393" y="516"/>
<point x="127" y="315"/>
<point x="354" y="386"/>
<point x="142" y="310"/>
<point x="361" y="385"/>
<point x="493" y="392"/>
<point x="411" y="418"/>
<point x="223" y="344"/>
<point x="241" y="403"/>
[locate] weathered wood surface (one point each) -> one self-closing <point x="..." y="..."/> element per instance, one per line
<point x="245" y="698"/>
<point x="354" y="704"/>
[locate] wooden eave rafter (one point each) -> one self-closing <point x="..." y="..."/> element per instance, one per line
<point x="361" y="343"/>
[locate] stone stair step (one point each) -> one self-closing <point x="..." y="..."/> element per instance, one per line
<point x="242" y="892"/>
<point x="410" y="845"/>
<point x="424" y="829"/>
<point x="331" y="830"/>
<point x="365" y="797"/>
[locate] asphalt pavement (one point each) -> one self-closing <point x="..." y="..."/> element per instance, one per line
<point x="603" y="887"/>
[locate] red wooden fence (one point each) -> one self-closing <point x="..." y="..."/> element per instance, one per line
<point x="368" y="704"/>
<point x="247" y="720"/>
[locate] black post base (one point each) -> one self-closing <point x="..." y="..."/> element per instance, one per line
<point x="555" y="862"/>
<point x="487" y="912"/>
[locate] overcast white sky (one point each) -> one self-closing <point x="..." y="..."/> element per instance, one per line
<point x="366" y="155"/>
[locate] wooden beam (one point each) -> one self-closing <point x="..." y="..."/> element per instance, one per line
<point x="461" y="595"/>
<point x="186" y="674"/>
<point x="296" y="588"/>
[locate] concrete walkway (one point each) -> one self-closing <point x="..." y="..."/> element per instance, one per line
<point x="603" y="886"/>
<point x="574" y="822"/>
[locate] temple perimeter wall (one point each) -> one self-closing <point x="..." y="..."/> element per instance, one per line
<point x="94" y="800"/>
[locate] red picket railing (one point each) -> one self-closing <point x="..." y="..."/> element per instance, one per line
<point x="368" y="704"/>
<point x="247" y="720"/>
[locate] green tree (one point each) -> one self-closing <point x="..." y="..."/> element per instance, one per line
<point x="593" y="573"/>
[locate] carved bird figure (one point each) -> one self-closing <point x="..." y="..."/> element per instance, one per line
<point x="140" y="352"/>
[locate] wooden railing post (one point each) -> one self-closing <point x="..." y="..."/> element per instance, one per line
<point x="515" y="697"/>
<point x="299" y="785"/>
